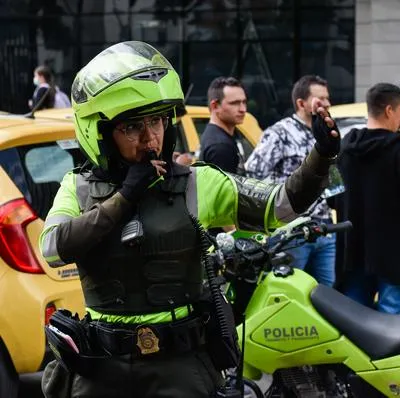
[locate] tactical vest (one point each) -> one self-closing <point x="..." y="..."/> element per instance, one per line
<point x="163" y="272"/>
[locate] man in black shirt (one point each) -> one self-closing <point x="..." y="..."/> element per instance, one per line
<point x="227" y="102"/>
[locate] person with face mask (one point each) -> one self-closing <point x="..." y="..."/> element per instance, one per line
<point x="132" y="220"/>
<point x="45" y="90"/>
<point x="280" y="151"/>
<point x="47" y="95"/>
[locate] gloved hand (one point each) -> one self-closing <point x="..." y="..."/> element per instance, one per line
<point x="325" y="132"/>
<point x="138" y="178"/>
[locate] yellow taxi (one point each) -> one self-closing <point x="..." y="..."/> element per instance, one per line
<point x="35" y="153"/>
<point x="348" y="116"/>
<point x="33" y="156"/>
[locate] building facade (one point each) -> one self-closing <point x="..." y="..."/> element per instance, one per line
<point x="377" y="44"/>
<point x="268" y="44"/>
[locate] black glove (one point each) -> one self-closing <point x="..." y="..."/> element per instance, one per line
<point x="138" y="178"/>
<point x="326" y="145"/>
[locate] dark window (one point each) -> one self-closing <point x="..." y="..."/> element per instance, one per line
<point x="10" y="162"/>
<point x="200" y="124"/>
<point x="267" y="75"/>
<point x="47" y="164"/>
<point x="208" y="61"/>
<point x="268" y="44"/>
<point x="181" y="142"/>
<point x="37" y="170"/>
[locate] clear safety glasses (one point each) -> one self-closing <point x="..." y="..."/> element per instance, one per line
<point x="135" y="129"/>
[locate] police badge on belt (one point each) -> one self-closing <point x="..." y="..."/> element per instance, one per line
<point x="147" y="341"/>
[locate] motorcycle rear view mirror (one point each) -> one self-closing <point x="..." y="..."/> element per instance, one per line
<point x="335" y="185"/>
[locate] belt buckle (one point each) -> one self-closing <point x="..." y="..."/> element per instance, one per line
<point x="147" y="340"/>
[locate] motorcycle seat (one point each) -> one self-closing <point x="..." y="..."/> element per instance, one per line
<point x="375" y="333"/>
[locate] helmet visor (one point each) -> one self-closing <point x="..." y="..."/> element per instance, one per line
<point x="127" y="59"/>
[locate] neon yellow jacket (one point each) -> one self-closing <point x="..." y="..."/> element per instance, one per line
<point x="214" y="197"/>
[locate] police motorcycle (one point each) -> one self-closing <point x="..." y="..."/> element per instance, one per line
<point x="314" y="341"/>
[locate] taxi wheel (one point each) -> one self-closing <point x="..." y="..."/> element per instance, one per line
<point x="9" y="380"/>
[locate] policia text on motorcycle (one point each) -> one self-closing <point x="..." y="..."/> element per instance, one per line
<point x="133" y="220"/>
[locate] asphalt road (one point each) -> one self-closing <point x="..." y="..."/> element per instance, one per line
<point x="30" y="386"/>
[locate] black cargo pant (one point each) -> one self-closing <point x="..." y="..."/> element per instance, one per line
<point x="189" y="375"/>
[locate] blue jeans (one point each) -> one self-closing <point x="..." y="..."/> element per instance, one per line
<point x="317" y="259"/>
<point x="363" y="289"/>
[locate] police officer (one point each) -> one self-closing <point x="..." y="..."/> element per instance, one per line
<point x="132" y="223"/>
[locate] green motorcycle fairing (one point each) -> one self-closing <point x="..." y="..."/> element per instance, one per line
<point x="283" y="326"/>
<point x="284" y="330"/>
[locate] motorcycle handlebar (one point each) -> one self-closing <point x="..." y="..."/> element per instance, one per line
<point x="339" y="227"/>
<point x="309" y="232"/>
<point x="235" y="256"/>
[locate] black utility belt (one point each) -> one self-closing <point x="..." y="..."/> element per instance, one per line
<point x="141" y="340"/>
<point x="91" y="348"/>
